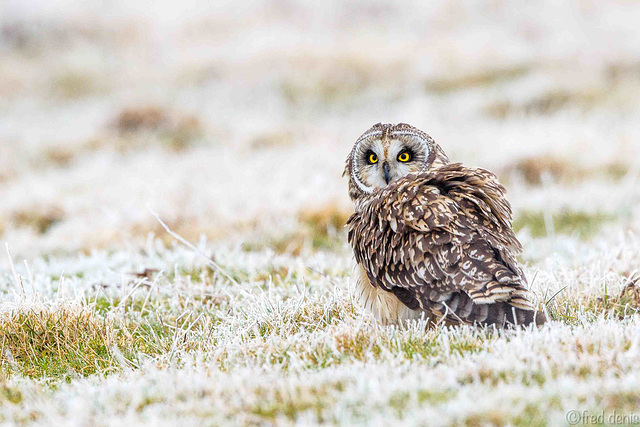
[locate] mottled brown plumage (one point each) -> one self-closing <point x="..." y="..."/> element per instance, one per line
<point x="439" y="238"/>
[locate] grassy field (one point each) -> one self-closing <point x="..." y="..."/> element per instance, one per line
<point x="233" y="122"/>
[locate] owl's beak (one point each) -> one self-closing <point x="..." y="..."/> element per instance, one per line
<point x="387" y="176"/>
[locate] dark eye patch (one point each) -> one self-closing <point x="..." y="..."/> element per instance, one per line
<point x="371" y="157"/>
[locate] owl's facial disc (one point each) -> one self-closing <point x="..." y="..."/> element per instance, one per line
<point x="382" y="161"/>
<point x="388" y="152"/>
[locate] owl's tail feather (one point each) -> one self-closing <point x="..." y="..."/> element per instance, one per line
<point x="460" y="308"/>
<point x="518" y="316"/>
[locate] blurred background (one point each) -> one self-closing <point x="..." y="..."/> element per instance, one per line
<point x="233" y="119"/>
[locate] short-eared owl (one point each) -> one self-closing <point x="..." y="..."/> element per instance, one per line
<point x="431" y="237"/>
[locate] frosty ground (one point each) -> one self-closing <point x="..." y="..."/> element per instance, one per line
<point x="233" y="124"/>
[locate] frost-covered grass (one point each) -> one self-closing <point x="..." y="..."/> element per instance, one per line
<point x="179" y="342"/>
<point x="232" y="121"/>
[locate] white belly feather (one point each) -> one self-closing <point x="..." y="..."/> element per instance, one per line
<point x="385" y="306"/>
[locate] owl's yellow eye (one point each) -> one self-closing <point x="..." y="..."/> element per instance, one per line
<point x="373" y="158"/>
<point x="404" y="156"/>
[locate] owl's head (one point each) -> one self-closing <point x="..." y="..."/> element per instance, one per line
<point x="387" y="152"/>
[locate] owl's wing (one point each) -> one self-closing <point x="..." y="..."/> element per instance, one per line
<point x="448" y="231"/>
